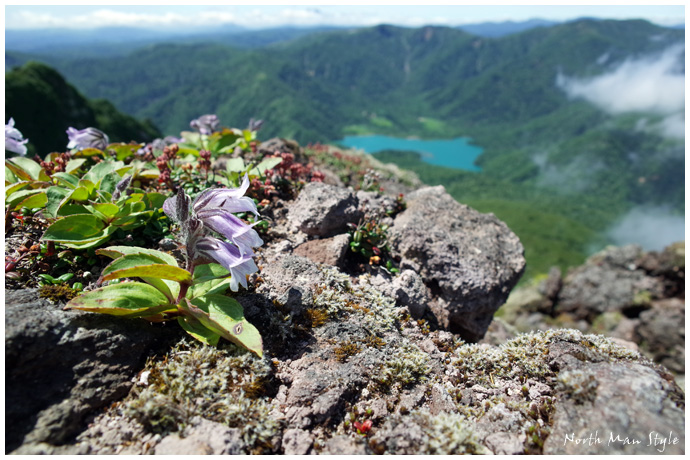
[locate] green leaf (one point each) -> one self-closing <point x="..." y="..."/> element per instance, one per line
<point x="216" y="286"/>
<point x="27" y="199"/>
<point x="154" y="200"/>
<point x="119" y="251"/>
<point x="78" y="228"/>
<point x="225" y="316"/>
<point x="227" y="140"/>
<point x="55" y="195"/>
<point x="235" y="165"/>
<point x="47" y="278"/>
<point x="268" y="163"/>
<point x="10" y="189"/>
<point x="109" y="181"/>
<point x="24" y="166"/>
<point x="102" y="169"/>
<point x="107" y="209"/>
<point x="169" y="288"/>
<point x="197" y="330"/>
<point x="68" y="209"/>
<point x="123" y="151"/>
<point x="130" y="300"/>
<point x="10" y="176"/>
<point x="88" y="185"/>
<point x="70" y="180"/>
<point x="207" y="272"/>
<point x="80" y="193"/>
<point x="73" y="165"/>
<point x="148" y="174"/>
<point x="144" y="265"/>
<point x="87" y="153"/>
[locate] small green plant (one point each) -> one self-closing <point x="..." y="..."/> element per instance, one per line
<point x="62" y="279"/>
<point x="193" y="295"/>
<point x="368" y="238"/>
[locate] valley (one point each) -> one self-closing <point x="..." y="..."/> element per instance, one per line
<point x="558" y="165"/>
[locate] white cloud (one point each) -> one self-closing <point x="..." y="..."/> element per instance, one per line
<point x="673" y="126"/>
<point x="653" y="228"/>
<point x="651" y="84"/>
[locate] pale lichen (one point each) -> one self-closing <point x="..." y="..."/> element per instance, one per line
<point x="219" y="384"/>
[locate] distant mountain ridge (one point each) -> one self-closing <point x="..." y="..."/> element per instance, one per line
<point x="501" y="29"/>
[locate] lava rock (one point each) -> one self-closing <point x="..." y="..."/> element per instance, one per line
<point x="203" y="437"/>
<point x="662" y="331"/>
<point x="329" y="251"/>
<point x="470" y="261"/>
<point x="609" y="281"/>
<point x="323" y="210"/>
<point x="613" y="407"/>
<point x="63" y="365"/>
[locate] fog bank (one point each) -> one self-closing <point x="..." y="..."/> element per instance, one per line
<point x="653" y="228"/>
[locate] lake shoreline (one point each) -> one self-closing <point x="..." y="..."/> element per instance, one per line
<point x="457" y="153"/>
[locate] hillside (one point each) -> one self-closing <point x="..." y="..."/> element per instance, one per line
<point x="44" y="105"/>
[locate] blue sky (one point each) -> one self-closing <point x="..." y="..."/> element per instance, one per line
<point x="263" y="16"/>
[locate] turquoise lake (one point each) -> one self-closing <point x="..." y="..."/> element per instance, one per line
<point x="451" y="153"/>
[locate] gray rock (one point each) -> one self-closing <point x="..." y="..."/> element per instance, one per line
<point x="422" y="433"/>
<point x="615" y="409"/>
<point x="409" y="290"/>
<point x="502" y="443"/>
<point x="609" y="281"/>
<point x="288" y="272"/>
<point x="297" y="442"/>
<point x="441" y="401"/>
<point x="344" y="445"/>
<point x="661" y="330"/>
<point x="61" y="366"/>
<point x="203" y="437"/>
<point x="323" y="210"/>
<point x="470" y="261"/>
<point x="329" y="251"/>
<point x="375" y="204"/>
<point x="278" y="145"/>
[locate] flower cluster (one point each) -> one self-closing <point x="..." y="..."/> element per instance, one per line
<point x="88" y="138"/>
<point x="285" y="178"/>
<point x="162" y="162"/>
<point x="213" y="210"/>
<point x="14" y="140"/>
<point x="57" y="164"/>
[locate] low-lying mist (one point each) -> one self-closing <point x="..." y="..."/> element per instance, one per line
<point x="652" y="227"/>
<point x="653" y="84"/>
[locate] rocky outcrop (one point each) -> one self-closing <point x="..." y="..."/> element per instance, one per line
<point x="61" y="366"/>
<point x="469" y="261"/>
<point x="324" y="210"/>
<point x="353" y="362"/>
<point x="624" y="293"/>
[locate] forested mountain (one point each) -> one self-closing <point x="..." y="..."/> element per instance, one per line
<point x="552" y="161"/>
<point x="44" y="105"/>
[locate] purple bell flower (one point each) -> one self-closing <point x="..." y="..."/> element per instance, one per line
<point x="213" y="210"/>
<point x="87" y="138"/>
<point x="205" y="124"/>
<point x="229" y="256"/>
<point x="14" y="140"/>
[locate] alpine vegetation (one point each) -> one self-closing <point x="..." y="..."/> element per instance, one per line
<point x="192" y="295"/>
<point x="213" y="210"/>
